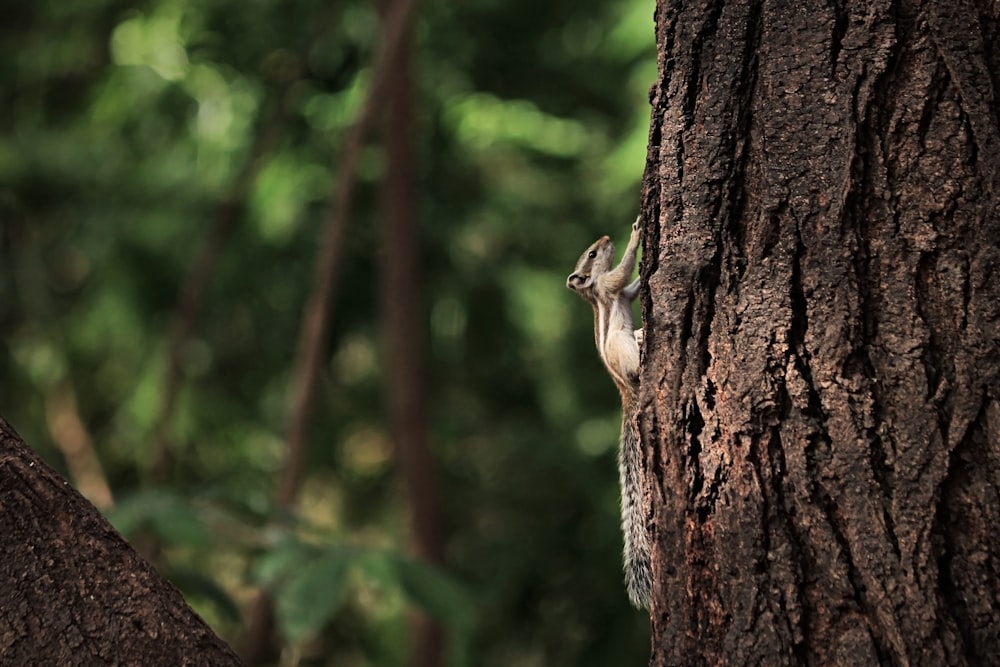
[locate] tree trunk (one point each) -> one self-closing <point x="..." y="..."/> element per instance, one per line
<point x="72" y="592"/>
<point x="403" y="323"/>
<point x="820" y="378"/>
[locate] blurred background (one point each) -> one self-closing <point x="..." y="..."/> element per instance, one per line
<point x="166" y="173"/>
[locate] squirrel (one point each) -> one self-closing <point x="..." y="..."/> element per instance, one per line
<point x="611" y="295"/>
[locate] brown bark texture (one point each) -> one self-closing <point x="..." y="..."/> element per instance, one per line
<point x="72" y="591"/>
<point x="819" y="387"/>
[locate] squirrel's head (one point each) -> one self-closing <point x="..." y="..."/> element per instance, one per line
<point x="595" y="260"/>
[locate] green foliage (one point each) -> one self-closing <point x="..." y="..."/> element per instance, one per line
<point x="200" y="588"/>
<point x="438" y="594"/>
<point x="311" y="584"/>
<point x="129" y="124"/>
<point x="308" y="588"/>
<point x="163" y="513"/>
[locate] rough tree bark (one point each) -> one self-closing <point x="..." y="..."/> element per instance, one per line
<point x="72" y="591"/>
<point x="820" y="382"/>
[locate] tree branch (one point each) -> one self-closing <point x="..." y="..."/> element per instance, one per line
<point x="73" y="440"/>
<point x="196" y="285"/>
<point x="72" y="591"/>
<point x="317" y="313"/>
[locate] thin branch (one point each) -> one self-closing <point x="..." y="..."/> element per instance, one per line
<point x="73" y="439"/>
<point x="317" y="313"/>
<point x="196" y="286"/>
<point x="402" y="330"/>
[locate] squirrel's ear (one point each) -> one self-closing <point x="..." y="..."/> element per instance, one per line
<point x="577" y="281"/>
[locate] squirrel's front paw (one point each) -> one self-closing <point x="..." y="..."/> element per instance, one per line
<point x="637" y="227"/>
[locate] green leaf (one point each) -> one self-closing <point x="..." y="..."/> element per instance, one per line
<point x="312" y="595"/>
<point x="169" y="516"/>
<point x="275" y="566"/>
<point x="439" y="594"/>
<point x="379" y="567"/>
<point x="194" y="584"/>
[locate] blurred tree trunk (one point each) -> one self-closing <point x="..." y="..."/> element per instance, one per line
<point x="318" y="309"/>
<point x="403" y="323"/>
<point x="820" y="379"/>
<point x="72" y="592"/>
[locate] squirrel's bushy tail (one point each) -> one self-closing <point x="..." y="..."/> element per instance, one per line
<point x="638" y="574"/>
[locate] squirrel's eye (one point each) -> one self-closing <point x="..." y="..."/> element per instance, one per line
<point x="592" y="254"/>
